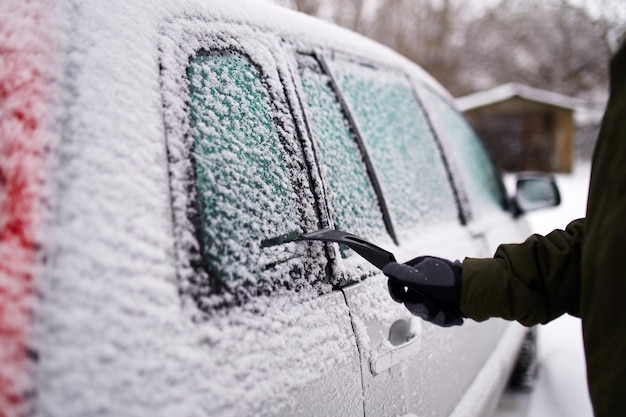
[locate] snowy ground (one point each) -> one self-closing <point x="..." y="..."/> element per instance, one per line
<point x="562" y="388"/>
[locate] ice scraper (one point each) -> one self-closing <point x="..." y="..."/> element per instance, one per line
<point x="375" y="255"/>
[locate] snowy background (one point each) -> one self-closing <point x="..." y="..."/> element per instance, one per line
<point x="562" y="387"/>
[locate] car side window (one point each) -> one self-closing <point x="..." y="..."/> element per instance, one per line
<point x="400" y="142"/>
<point x="244" y="194"/>
<point x="352" y="196"/>
<point x="477" y="171"/>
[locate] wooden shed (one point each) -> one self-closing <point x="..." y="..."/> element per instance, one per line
<point x="525" y="129"/>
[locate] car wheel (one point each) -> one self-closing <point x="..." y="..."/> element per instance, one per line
<point x="526" y="370"/>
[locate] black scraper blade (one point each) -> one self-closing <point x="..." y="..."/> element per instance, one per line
<point x="376" y="255"/>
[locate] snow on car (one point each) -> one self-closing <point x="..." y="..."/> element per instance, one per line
<point x="149" y="148"/>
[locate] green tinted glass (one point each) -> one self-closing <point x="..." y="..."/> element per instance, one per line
<point x="408" y="163"/>
<point x="478" y="174"/>
<point x="352" y="196"/>
<point x="244" y="194"/>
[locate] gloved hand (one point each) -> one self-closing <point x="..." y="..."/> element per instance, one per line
<point x="429" y="287"/>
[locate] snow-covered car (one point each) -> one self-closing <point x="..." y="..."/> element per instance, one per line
<point x="152" y="156"/>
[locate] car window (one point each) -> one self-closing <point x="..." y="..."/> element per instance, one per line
<point x="400" y="142"/>
<point x="353" y="199"/>
<point x="477" y="171"/>
<point x="244" y="194"/>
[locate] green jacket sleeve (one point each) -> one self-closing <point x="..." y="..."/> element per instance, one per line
<point x="532" y="282"/>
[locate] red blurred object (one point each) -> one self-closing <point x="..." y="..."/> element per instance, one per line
<point x="26" y="62"/>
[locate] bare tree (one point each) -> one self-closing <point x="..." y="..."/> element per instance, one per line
<point x="551" y="44"/>
<point x="310" y="7"/>
<point x="352" y="14"/>
<point x="546" y="44"/>
<point x="429" y="32"/>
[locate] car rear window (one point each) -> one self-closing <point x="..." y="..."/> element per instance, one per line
<point x="244" y="194"/>
<point x="401" y="145"/>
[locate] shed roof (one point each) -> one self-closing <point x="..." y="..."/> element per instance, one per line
<point x="511" y="90"/>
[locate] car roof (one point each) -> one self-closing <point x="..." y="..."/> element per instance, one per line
<point x="286" y="23"/>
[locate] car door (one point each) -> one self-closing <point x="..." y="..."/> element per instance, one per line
<point x="388" y="182"/>
<point x="490" y="222"/>
<point x="274" y="336"/>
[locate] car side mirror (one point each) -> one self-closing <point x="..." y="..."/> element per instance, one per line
<point x="534" y="192"/>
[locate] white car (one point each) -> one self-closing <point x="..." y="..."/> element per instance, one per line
<point x="150" y="150"/>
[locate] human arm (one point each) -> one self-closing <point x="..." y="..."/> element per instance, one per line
<point x="532" y="282"/>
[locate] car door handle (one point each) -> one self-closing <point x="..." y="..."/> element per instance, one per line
<point x="402" y="344"/>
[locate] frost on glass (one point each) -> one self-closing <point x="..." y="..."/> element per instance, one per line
<point x="243" y="191"/>
<point x="408" y="163"/>
<point x="477" y="172"/>
<point x="352" y="196"/>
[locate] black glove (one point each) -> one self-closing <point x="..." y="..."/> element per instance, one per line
<point x="429" y="287"/>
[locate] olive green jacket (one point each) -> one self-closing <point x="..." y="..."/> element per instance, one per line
<point x="580" y="270"/>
